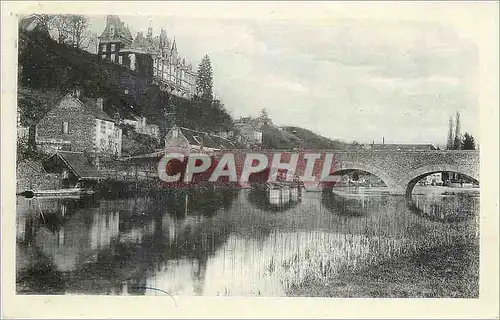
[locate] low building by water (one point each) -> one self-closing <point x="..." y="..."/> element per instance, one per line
<point x="73" y="168"/>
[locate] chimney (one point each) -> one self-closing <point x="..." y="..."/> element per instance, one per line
<point x="383" y="140"/>
<point x="117" y="117"/>
<point x="77" y="92"/>
<point x="100" y="103"/>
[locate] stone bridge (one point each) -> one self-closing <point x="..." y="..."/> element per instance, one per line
<point x="401" y="170"/>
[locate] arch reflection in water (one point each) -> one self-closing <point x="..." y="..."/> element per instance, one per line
<point x="352" y="205"/>
<point x="445" y="207"/>
<point x="275" y="199"/>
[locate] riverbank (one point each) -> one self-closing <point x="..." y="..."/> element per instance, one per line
<point x="418" y="190"/>
<point x="440" y="272"/>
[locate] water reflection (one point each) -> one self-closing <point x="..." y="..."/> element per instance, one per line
<point x="445" y="207"/>
<point x="276" y="200"/>
<point x="353" y="205"/>
<point x="216" y="242"/>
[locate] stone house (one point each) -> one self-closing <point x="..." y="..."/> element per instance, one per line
<point x="79" y="126"/>
<point x="434" y="179"/>
<point x="141" y="126"/>
<point x="250" y="131"/>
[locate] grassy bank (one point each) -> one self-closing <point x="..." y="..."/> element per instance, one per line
<point x="450" y="271"/>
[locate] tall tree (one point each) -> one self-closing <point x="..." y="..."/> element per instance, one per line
<point x="457" y="143"/>
<point x="468" y="142"/>
<point x="204" y="79"/>
<point x="70" y="29"/>
<point x="78" y="30"/>
<point x="59" y="25"/>
<point x="449" y="143"/>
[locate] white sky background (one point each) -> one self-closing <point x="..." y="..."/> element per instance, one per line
<point x="346" y="71"/>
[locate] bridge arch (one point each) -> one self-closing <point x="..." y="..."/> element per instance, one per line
<point x="346" y="167"/>
<point x="409" y="180"/>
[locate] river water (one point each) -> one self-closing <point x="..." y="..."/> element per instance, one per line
<point x="226" y="243"/>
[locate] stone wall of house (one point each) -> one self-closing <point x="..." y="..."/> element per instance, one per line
<point x="32" y="175"/>
<point x="81" y="125"/>
<point x="174" y="138"/>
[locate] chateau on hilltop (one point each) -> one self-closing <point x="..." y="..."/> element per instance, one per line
<point x="151" y="56"/>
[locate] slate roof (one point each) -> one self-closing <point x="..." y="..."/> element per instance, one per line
<point x="204" y="139"/>
<point x="121" y="31"/>
<point x="92" y="107"/>
<point x="79" y="163"/>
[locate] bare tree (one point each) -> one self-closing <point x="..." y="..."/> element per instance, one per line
<point x="60" y="26"/>
<point x="78" y="30"/>
<point x="44" y="21"/>
<point x="70" y="29"/>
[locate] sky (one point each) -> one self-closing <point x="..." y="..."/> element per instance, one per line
<point x="350" y="72"/>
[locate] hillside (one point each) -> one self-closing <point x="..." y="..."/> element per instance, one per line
<point x="309" y="139"/>
<point x="48" y="70"/>
<point x="274" y="138"/>
<point x="294" y="137"/>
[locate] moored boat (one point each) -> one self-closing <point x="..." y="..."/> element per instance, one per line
<point x="56" y="192"/>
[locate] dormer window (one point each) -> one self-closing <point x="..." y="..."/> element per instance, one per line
<point x="113" y="47"/>
<point x="112" y="31"/>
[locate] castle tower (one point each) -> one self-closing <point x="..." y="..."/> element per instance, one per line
<point x="149" y="36"/>
<point x="164" y="44"/>
<point x="114" y="37"/>
<point x="173" y="53"/>
<point x="174" y="48"/>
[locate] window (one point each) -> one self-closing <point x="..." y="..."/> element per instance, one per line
<point x="103" y="56"/>
<point x="113" y="57"/>
<point x="103" y="48"/>
<point x="60" y="237"/>
<point x="113" y="47"/>
<point x="132" y="61"/>
<point x="65" y="174"/>
<point x="65" y="127"/>
<point x="120" y="59"/>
